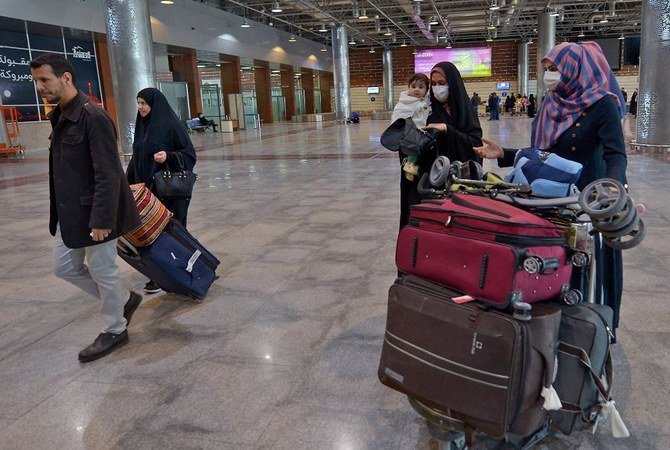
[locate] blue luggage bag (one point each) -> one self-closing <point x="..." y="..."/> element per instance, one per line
<point x="176" y="261"/>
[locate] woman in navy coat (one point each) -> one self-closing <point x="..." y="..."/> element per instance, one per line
<point x="580" y="120"/>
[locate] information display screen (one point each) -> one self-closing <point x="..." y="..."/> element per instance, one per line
<point x="471" y="62"/>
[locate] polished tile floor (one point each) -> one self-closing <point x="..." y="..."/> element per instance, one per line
<point x="283" y="352"/>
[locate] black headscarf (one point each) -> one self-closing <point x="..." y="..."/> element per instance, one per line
<point x="464" y="130"/>
<point x="159" y="130"/>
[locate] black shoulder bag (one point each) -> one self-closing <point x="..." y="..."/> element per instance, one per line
<point x="174" y="185"/>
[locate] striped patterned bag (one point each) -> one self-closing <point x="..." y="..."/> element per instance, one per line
<point x="154" y="215"/>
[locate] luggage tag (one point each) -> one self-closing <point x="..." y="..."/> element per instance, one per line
<point x="462" y="299"/>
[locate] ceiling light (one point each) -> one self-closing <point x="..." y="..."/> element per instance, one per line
<point x="245" y="24"/>
<point x="275" y="7"/>
<point x="603" y="20"/>
<point x="352" y="41"/>
<point x="388" y="32"/>
<point x="581" y="34"/>
<point x="553" y="13"/>
<point x="494" y="5"/>
<point x="448" y="45"/>
<point x="363" y="15"/>
<point x="489" y="39"/>
<point x="292" y="38"/>
<point x="404" y="44"/>
<point x="324" y="49"/>
<point x="201" y="66"/>
<point x="372" y="50"/>
<point x="167" y="2"/>
<point x="323" y="29"/>
<point x="433" y="21"/>
<point x="490" y="27"/>
<point x="417" y="8"/>
<point x="622" y="37"/>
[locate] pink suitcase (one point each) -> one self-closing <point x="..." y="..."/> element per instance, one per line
<point x="488" y="249"/>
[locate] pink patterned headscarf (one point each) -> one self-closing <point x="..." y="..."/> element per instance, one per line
<point x="586" y="77"/>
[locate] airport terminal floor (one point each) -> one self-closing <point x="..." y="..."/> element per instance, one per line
<point x="283" y="351"/>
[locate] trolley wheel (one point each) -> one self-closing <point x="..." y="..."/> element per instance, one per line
<point x="439" y="171"/>
<point x="458" y="443"/>
<point x="603" y="198"/>
<point x="619" y="220"/>
<point x="634" y="238"/>
<point x="476" y="171"/>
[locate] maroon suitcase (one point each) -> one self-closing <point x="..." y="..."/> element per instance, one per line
<point x="486" y="248"/>
<point x="482" y="368"/>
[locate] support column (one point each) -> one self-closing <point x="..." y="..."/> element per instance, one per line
<point x="546" y="40"/>
<point x="230" y="84"/>
<point x="387" y="72"/>
<point x="522" y="68"/>
<point x="308" y="86"/>
<point x="653" y="100"/>
<point x="341" y="71"/>
<point x="263" y="91"/>
<point x="288" y="90"/>
<point x="185" y="67"/>
<point x="132" y="60"/>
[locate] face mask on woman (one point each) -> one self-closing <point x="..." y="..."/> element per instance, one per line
<point x="441" y="93"/>
<point x="551" y="80"/>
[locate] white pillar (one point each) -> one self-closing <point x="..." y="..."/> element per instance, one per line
<point x="341" y="71"/>
<point x="522" y="68"/>
<point x="132" y="60"/>
<point x="546" y="27"/>
<point x="653" y="100"/>
<point x="387" y="63"/>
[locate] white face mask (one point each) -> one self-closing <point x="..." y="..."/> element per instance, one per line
<point x="441" y="93"/>
<point x="551" y="80"/>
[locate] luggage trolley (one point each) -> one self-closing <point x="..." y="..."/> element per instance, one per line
<point x="602" y="214"/>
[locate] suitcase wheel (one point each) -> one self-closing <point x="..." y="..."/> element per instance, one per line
<point x="458" y="443"/>
<point x="579" y="259"/>
<point x="521" y="311"/>
<point x="572" y="297"/>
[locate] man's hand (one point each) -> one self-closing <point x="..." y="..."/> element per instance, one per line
<point x="99" y="234"/>
<point x="160" y="157"/>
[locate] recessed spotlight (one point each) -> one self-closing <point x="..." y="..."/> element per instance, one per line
<point x="275" y="7"/>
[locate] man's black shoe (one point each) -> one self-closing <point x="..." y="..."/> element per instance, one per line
<point x="131" y="305"/>
<point x="103" y="345"/>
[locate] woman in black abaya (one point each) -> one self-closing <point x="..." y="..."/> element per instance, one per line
<point x="160" y="142"/>
<point x="458" y="125"/>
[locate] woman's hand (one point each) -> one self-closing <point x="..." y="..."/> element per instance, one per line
<point x="160" y="157"/>
<point x="438" y="126"/>
<point x="489" y="150"/>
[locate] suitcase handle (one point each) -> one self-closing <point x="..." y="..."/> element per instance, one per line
<point x="127" y="249"/>
<point x="534" y="264"/>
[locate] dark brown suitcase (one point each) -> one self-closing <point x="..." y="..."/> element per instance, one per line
<point x="480" y="366"/>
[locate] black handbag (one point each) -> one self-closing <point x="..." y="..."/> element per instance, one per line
<point x="405" y="136"/>
<point x="174" y="185"/>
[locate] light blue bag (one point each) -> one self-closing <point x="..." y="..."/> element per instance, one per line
<point x="547" y="174"/>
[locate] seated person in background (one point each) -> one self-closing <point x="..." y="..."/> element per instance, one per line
<point x="203" y="120"/>
<point x="415" y="104"/>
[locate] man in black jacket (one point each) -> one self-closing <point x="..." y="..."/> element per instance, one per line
<point x="90" y="200"/>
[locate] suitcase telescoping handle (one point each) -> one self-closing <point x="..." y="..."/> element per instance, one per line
<point x="126" y="248"/>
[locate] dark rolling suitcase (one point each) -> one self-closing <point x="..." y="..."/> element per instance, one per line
<point x="175" y="261"/>
<point x="488" y="249"/>
<point x="481" y="367"/>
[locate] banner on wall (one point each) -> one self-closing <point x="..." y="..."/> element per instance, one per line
<point x="24" y="41"/>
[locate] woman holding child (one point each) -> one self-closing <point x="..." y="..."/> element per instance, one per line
<point x="456" y="122"/>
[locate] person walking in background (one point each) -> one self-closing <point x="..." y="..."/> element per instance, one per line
<point x="633" y="103"/>
<point x="580" y="120"/>
<point x="531" y="106"/>
<point x="494" y="107"/>
<point x="413" y="103"/>
<point x="91" y="202"/>
<point x="160" y="142"/>
<point x="625" y="95"/>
